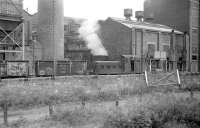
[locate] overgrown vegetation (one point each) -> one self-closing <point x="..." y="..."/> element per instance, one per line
<point x="165" y="112"/>
<point x="149" y="107"/>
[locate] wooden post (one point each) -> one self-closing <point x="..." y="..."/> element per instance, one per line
<point x="146" y="78"/>
<point x="54" y="70"/>
<point x="27" y="75"/>
<point x="150" y="65"/>
<point x="191" y="93"/>
<point x="178" y="76"/>
<point x="51" y="109"/>
<point x="83" y="102"/>
<point x="5" y="112"/>
<point x="23" y="41"/>
<point x="166" y="65"/>
<point x="70" y="67"/>
<point x="117" y="103"/>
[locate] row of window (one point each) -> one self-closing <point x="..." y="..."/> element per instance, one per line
<point x="110" y="66"/>
<point x="72" y="28"/>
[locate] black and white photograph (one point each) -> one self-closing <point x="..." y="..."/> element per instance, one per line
<point x="99" y="64"/>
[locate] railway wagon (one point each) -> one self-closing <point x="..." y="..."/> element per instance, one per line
<point x="107" y="67"/>
<point x="10" y="69"/>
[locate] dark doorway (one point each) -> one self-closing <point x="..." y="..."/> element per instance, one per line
<point x="132" y="66"/>
<point x="2" y="56"/>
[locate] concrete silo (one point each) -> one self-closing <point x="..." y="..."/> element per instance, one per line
<point x="51" y="29"/>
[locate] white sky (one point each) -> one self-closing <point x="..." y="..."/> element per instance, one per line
<point x="92" y="9"/>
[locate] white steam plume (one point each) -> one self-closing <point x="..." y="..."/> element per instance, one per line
<point x="88" y="31"/>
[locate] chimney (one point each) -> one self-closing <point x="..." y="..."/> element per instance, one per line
<point x="128" y="13"/>
<point x="139" y="15"/>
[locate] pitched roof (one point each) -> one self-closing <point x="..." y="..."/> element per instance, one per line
<point x="144" y="25"/>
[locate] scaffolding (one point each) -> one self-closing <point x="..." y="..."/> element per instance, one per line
<point x="13" y="42"/>
<point x="12" y="34"/>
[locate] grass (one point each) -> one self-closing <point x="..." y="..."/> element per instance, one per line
<point x="166" y="111"/>
<point x="149" y="110"/>
<point x="139" y="106"/>
<point x="22" y="95"/>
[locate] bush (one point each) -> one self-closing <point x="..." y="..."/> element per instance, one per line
<point x="78" y="116"/>
<point x="121" y="120"/>
<point x="177" y="113"/>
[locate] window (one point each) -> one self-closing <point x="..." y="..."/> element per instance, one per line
<point x="114" y="67"/>
<point x="151" y="50"/>
<point x="195" y="50"/>
<point x="108" y="66"/>
<point x="102" y="66"/>
<point x="194" y="57"/>
<point x="67" y="28"/>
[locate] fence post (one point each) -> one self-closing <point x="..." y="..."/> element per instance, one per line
<point x="150" y="66"/>
<point x="117" y="103"/>
<point x="83" y="102"/>
<point x="51" y="108"/>
<point x="70" y="67"/>
<point x="146" y="78"/>
<point x="178" y="76"/>
<point x="0" y="74"/>
<point x="5" y="112"/>
<point x="53" y="77"/>
<point x="28" y="72"/>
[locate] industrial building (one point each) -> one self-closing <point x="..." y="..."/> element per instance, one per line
<point x="138" y="43"/>
<point x="11" y="30"/>
<point x="182" y="15"/>
<point x="132" y="46"/>
<point x="75" y="47"/>
<point x="38" y="32"/>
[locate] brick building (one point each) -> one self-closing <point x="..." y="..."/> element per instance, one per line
<point x="182" y="15"/>
<point x="140" y="41"/>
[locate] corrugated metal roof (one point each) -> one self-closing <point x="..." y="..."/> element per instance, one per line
<point x="144" y="25"/>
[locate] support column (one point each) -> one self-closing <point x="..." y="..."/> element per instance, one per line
<point x="23" y="41"/>
<point x="158" y="42"/>
<point x="173" y="50"/>
<point x="199" y="36"/>
<point x="133" y="42"/>
<point x="142" y="52"/>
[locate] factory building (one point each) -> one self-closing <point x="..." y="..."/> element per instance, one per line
<point x="182" y="15"/>
<point x="135" y="43"/>
<point x="139" y="44"/>
<point x="135" y="46"/>
<point x="75" y="47"/>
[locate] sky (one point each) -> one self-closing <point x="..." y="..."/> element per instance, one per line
<point x="92" y="9"/>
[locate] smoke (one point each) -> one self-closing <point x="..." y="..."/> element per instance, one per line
<point x="88" y="31"/>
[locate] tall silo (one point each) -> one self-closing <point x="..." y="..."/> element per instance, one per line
<point x="51" y="29"/>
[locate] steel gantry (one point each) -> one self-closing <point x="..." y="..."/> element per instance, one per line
<point x="12" y="32"/>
